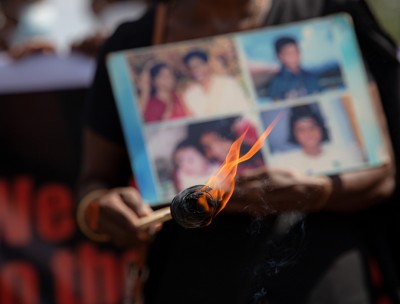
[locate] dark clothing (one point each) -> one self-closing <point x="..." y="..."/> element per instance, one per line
<point x="101" y="113"/>
<point x="286" y="84"/>
<point x="233" y="261"/>
<point x="212" y="265"/>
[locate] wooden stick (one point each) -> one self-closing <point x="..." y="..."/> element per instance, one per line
<point x="158" y="216"/>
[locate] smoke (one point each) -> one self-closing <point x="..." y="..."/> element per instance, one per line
<point x="282" y="249"/>
<point x="260" y="295"/>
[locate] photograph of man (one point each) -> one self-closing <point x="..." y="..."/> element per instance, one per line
<point x="309" y="143"/>
<point x="209" y="93"/>
<point x="292" y="81"/>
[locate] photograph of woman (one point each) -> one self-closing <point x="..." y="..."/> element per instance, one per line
<point x="159" y="98"/>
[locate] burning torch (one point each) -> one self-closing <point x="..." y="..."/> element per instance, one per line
<point x="198" y="205"/>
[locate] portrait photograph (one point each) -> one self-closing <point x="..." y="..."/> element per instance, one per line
<point x="315" y="137"/>
<point x="184" y="155"/>
<point x="190" y="80"/>
<point x="290" y="63"/>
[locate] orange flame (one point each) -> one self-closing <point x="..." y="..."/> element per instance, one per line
<point x="223" y="182"/>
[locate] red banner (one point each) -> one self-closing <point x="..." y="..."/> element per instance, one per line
<point x="43" y="257"/>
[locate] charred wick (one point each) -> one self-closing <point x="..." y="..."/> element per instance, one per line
<point x="188" y="211"/>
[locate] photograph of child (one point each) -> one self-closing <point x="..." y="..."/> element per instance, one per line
<point x="191" y="166"/>
<point x="293" y="62"/>
<point x="197" y="79"/>
<point x="311" y="141"/>
<point x="216" y="138"/>
<point x="292" y="81"/>
<point x="192" y="153"/>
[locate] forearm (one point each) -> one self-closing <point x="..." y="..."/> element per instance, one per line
<point x="274" y="190"/>
<point x="360" y="190"/>
<point x="104" y="170"/>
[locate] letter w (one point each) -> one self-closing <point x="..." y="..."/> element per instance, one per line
<point x="15" y="211"/>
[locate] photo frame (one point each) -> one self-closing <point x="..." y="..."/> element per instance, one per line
<point x="182" y="104"/>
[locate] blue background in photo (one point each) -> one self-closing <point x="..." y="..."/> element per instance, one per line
<point x="319" y="52"/>
<point x="337" y="122"/>
<point x="316" y="44"/>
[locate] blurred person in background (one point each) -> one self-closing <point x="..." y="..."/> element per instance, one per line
<point x="225" y="262"/>
<point x="52" y="26"/>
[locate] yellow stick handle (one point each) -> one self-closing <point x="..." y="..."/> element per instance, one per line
<point x="158" y="216"/>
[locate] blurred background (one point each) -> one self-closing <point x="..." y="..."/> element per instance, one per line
<point x="387" y="13"/>
<point x="47" y="62"/>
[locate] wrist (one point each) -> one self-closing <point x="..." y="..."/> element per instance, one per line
<point x="324" y="187"/>
<point x="88" y="216"/>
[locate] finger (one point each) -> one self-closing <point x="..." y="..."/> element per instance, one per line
<point x="30" y="48"/>
<point x="133" y="199"/>
<point x="115" y="230"/>
<point x="113" y="208"/>
<point x="251" y="191"/>
<point x="250" y="175"/>
<point x="123" y="238"/>
<point x="124" y="222"/>
<point x="254" y="186"/>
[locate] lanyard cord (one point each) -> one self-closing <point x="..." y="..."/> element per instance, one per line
<point x="161" y="8"/>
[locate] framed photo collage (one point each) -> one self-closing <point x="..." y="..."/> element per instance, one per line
<point x="183" y="104"/>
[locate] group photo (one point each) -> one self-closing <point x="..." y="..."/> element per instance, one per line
<point x="194" y="80"/>
<point x="192" y="153"/>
